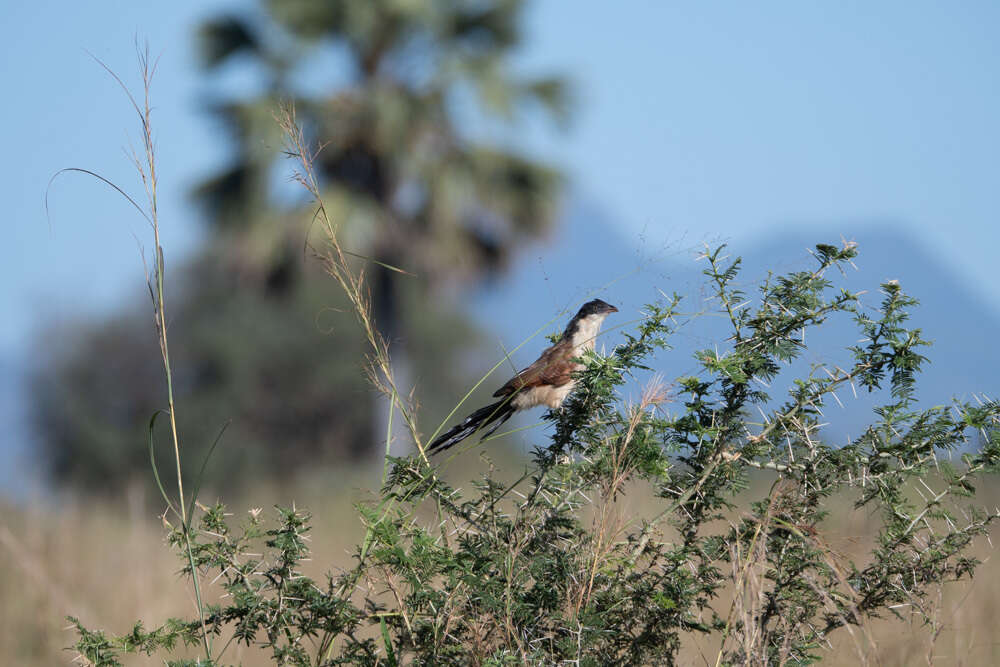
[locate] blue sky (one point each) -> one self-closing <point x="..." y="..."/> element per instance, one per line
<point x="694" y="120"/>
<point x="738" y="118"/>
<point x="63" y="110"/>
<point x="717" y="119"/>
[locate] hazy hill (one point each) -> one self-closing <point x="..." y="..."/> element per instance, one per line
<point x="588" y="253"/>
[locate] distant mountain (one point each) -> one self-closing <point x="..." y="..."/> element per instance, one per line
<point x="589" y="255"/>
<point x="960" y="323"/>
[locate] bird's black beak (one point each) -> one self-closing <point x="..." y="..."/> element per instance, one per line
<point x="612" y="309"/>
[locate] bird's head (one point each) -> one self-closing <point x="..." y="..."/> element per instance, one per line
<point x="596" y="307"/>
<point x="588" y="319"/>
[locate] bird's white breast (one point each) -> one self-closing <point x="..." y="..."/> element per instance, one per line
<point x="553" y="397"/>
<point x="547" y="395"/>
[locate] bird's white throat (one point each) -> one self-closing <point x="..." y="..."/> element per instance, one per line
<point x="586" y="332"/>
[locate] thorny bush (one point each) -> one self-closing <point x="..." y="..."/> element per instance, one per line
<point x="548" y="569"/>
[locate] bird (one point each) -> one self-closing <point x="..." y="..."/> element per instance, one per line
<point x="548" y="381"/>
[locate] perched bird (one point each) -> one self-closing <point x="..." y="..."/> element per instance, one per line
<point x="547" y="382"/>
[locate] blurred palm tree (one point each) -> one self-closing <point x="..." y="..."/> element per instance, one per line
<point x="413" y="192"/>
<point x="256" y="332"/>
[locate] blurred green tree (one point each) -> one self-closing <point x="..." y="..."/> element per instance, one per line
<point x="413" y="191"/>
<point x="257" y="334"/>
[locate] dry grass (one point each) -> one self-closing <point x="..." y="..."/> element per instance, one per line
<point x="109" y="565"/>
<point x="963" y="613"/>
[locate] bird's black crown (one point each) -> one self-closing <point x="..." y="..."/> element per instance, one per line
<point x="596" y="307"/>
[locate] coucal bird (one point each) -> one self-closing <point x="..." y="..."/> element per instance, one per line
<point x="547" y="382"/>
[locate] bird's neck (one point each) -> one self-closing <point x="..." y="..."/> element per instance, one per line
<point x="583" y="334"/>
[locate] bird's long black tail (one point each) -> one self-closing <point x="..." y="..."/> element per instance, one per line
<point x="489" y="419"/>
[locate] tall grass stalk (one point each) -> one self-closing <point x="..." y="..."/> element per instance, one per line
<point x="144" y="162"/>
<point x="352" y="282"/>
<point x="335" y="261"/>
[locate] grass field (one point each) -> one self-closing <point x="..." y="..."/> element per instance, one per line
<point x="109" y="565"/>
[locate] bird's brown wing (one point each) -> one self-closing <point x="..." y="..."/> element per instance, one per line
<point x="554" y="368"/>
